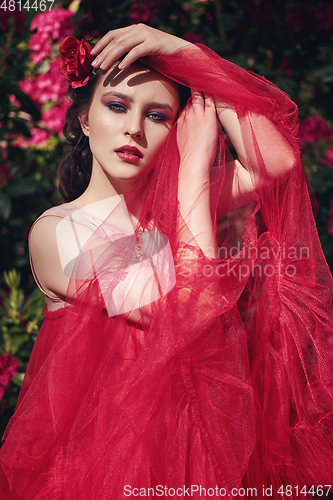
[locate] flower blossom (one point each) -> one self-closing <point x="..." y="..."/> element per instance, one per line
<point x="144" y="11"/>
<point x="52" y="26"/>
<point x="46" y="87"/>
<point x="54" y="118"/>
<point x="15" y="102"/>
<point x="9" y="367"/>
<point x="39" y="138"/>
<point x="312" y="129"/>
<point x="296" y="18"/>
<point x="75" y="63"/>
<point x="324" y="16"/>
<point x="328" y="158"/>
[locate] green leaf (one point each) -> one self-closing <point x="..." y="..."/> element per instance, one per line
<point x="23" y="187"/>
<point x="325" y="72"/>
<point x="18" y="379"/>
<point x="17" y="342"/>
<point x="27" y="104"/>
<point x="5" y="205"/>
<point x="13" y="401"/>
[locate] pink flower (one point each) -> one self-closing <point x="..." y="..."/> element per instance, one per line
<point x="46" y="87"/>
<point x="54" y="118"/>
<point x="16" y="103"/>
<point x="312" y="129"/>
<point x="9" y="367"/>
<point x="324" y="16"/>
<point x="328" y="159"/>
<point x="330" y="219"/>
<point x="39" y="137"/>
<point x="296" y="18"/>
<point x="144" y="11"/>
<point x="284" y="66"/>
<point x="56" y="23"/>
<point x="52" y="26"/>
<point x="41" y="50"/>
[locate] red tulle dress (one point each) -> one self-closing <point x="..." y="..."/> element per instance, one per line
<point x="226" y="380"/>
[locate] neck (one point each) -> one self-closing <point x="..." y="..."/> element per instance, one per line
<point x="102" y="186"/>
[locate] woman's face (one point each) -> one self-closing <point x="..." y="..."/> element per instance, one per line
<point x="128" y="121"/>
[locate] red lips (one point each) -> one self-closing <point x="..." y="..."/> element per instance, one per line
<point x="129" y="150"/>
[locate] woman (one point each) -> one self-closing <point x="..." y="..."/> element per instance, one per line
<point x="184" y="351"/>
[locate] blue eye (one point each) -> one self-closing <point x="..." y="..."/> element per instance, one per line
<point x="116" y="106"/>
<point x="157" y="117"/>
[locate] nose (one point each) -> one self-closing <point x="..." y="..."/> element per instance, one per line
<point x="134" y="125"/>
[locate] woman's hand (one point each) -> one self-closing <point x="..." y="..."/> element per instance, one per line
<point x="137" y="41"/>
<point x="197" y="135"/>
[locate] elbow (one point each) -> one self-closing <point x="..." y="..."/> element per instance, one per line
<point x="283" y="165"/>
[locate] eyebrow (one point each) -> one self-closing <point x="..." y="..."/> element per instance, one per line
<point x="129" y="99"/>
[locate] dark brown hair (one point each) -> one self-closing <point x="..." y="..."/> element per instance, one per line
<point x="75" y="170"/>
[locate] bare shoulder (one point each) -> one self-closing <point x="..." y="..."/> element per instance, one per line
<point x="43" y="234"/>
<point x="45" y="256"/>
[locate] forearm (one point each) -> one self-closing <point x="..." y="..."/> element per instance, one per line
<point x="264" y="142"/>
<point x="195" y="224"/>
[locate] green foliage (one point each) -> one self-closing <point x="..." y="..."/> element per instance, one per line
<point x="20" y="320"/>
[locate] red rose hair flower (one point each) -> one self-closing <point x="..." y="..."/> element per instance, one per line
<point x="76" y="61"/>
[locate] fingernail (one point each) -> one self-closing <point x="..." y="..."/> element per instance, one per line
<point x="121" y="65"/>
<point x="103" y="65"/>
<point x="95" y="62"/>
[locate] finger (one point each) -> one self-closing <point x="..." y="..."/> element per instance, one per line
<point x="117" y="47"/>
<point x="141" y="50"/>
<point x="209" y="101"/>
<point x="106" y="39"/>
<point x="197" y="101"/>
<point x="197" y="97"/>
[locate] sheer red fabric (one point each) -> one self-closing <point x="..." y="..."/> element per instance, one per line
<point x="225" y="380"/>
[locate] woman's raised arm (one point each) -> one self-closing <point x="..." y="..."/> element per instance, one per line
<point x="136" y="41"/>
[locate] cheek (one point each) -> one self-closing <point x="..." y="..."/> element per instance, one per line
<point x="101" y="121"/>
<point x="158" y="140"/>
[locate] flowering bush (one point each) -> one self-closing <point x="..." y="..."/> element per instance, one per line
<point x="313" y="129"/>
<point x="52" y="26"/>
<point x="9" y="367"/>
<point x="48" y="85"/>
<point x="19" y="323"/>
<point x="144" y="11"/>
